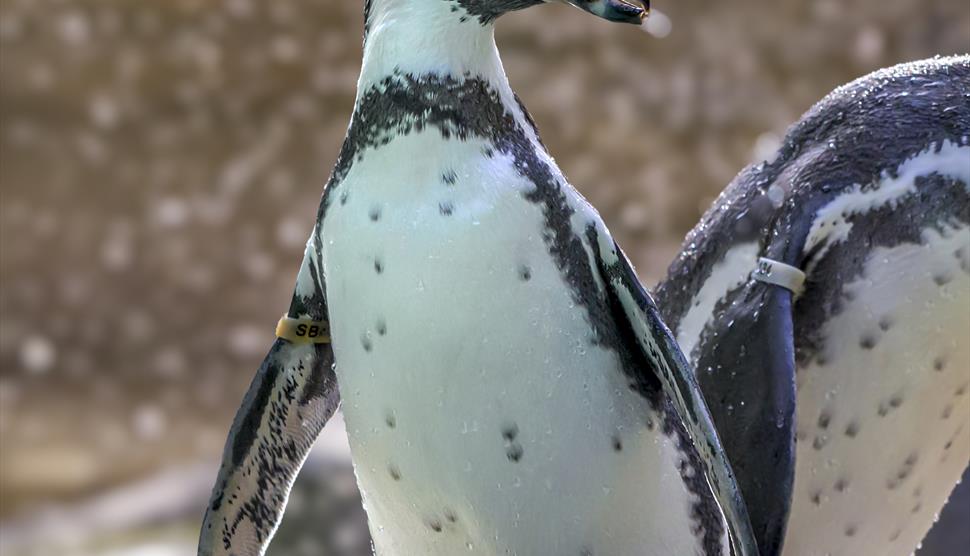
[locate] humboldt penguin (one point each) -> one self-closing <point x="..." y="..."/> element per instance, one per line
<point x="824" y="301"/>
<point x="507" y="383"/>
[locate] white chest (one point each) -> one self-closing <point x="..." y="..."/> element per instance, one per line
<point x="882" y="425"/>
<point x="481" y="416"/>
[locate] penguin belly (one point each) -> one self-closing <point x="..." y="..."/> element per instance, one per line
<point x="481" y="417"/>
<point x="883" y="409"/>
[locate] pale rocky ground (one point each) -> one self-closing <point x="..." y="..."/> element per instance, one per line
<point x="160" y="166"/>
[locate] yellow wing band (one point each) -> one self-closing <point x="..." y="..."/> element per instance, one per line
<point x="303" y="331"/>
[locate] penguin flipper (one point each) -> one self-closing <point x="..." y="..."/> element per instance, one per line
<point x="291" y="398"/>
<point x="657" y="344"/>
<point x="754" y="408"/>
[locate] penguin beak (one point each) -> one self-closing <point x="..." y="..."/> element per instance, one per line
<point x="624" y="11"/>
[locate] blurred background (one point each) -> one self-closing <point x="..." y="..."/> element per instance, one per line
<point x="160" y="167"/>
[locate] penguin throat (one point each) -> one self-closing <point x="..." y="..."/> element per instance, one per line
<point x="427" y="37"/>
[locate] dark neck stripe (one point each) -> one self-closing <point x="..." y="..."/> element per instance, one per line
<point x="487" y="11"/>
<point x="459" y="108"/>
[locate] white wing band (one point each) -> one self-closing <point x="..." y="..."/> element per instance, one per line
<point x="779" y="274"/>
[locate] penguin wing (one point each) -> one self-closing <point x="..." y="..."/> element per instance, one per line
<point x="654" y="340"/>
<point x="291" y="398"/>
<point x="754" y="408"/>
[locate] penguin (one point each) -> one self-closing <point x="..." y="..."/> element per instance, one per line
<point x="824" y="301"/>
<point x="507" y="383"/>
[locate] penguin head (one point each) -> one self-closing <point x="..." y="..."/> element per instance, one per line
<point x="487" y="11"/>
<point x="624" y="11"/>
